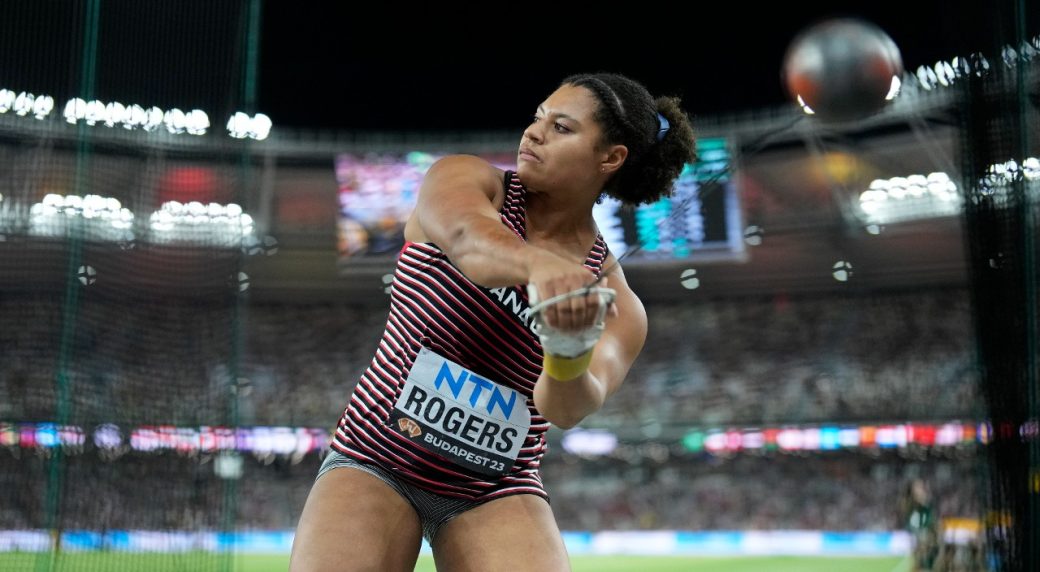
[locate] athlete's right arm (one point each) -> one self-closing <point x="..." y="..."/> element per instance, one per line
<point x="457" y="211"/>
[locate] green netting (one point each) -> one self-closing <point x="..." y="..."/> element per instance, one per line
<point x="802" y="388"/>
<point x="121" y="297"/>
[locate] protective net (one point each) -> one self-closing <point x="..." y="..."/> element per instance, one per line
<point x="842" y="346"/>
<point x="999" y="118"/>
<point x="123" y="227"/>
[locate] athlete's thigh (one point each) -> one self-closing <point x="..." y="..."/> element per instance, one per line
<point x="353" y="521"/>
<point x="512" y="534"/>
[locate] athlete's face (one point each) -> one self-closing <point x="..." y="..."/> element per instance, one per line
<point x="561" y="148"/>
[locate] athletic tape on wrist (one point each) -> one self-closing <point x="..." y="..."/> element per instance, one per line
<point x="569" y="344"/>
<point x="566" y="369"/>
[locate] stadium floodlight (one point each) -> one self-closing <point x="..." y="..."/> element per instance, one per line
<point x="926" y="77"/>
<point x="241" y="126"/>
<point x="915" y="196"/>
<point x="103" y="217"/>
<point x="1010" y="56"/>
<point x="161" y="221"/>
<point x="126" y="118"/>
<point x="195" y="208"/>
<point x="1028" y="51"/>
<point x="246" y="222"/>
<point x="1031" y="168"/>
<point x="75" y="110"/>
<point x="261" y="127"/>
<point x="175" y="121"/>
<point x="1000" y="173"/>
<point x="873" y="196"/>
<point x="961" y="67"/>
<point x="238" y="125"/>
<point x="92" y="206"/>
<point x="136" y="117"/>
<point x="43" y="106"/>
<point x="897" y="187"/>
<point x="197" y="122"/>
<point x="73" y="202"/>
<point x="95" y="112"/>
<point x="7" y="98"/>
<point x="944" y="73"/>
<point x="916" y="185"/>
<point x="153" y="119"/>
<point x="194" y="222"/>
<point x="979" y="64"/>
<point x="940" y="185"/>
<point x="23" y="104"/>
<point x="114" y="112"/>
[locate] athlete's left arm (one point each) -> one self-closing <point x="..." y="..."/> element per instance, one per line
<point x="566" y="403"/>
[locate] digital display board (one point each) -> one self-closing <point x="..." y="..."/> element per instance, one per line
<point x="377" y="193"/>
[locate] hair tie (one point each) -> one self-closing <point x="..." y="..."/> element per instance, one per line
<point x="663" y="130"/>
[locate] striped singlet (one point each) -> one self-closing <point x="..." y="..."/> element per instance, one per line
<point x="436" y="311"/>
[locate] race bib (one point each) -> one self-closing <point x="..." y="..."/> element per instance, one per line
<point x="461" y="416"/>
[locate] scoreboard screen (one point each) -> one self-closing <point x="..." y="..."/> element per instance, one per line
<point x="377" y="193"/>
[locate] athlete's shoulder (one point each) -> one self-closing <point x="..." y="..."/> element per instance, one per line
<point x="470" y="170"/>
<point x="616" y="280"/>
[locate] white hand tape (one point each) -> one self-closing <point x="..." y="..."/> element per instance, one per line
<point x="569" y="344"/>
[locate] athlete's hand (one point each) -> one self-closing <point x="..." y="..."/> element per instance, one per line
<point x="553" y="275"/>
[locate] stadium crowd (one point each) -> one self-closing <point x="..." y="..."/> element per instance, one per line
<point x="888" y="356"/>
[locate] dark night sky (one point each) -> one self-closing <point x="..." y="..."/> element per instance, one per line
<point x="336" y="67"/>
<point x="357" y="66"/>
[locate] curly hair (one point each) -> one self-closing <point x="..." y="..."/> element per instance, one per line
<point x="627" y="115"/>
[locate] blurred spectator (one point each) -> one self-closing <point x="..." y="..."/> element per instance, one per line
<point x="892" y="356"/>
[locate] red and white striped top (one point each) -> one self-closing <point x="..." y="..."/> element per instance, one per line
<point x="488" y="331"/>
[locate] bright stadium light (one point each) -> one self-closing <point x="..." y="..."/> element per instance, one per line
<point x="238" y="125"/>
<point x="111" y="114"/>
<point x="154" y="119"/>
<point x="75" y="110"/>
<point x="104" y="218"/>
<point x="261" y="127"/>
<point x="43" y="106"/>
<point x="114" y="112"/>
<point x="95" y="112"/>
<point x="944" y="73"/>
<point x="910" y="198"/>
<point x="136" y="117"/>
<point x="174" y="120"/>
<point x="23" y="104"/>
<point x="979" y="64"/>
<point x="961" y="67"/>
<point x="197" y="122"/>
<point x="241" y="126"/>
<point x="7" y="98"/>
<point x="1010" y="56"/>
<point x="926" y="77"/>
<point x="1031" y="168"/>
<point x="195" y="223"/>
